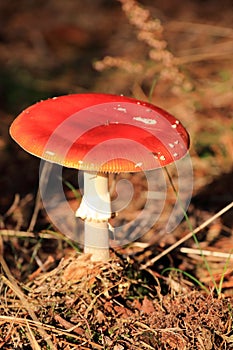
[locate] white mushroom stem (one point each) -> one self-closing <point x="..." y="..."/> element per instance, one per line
<point x="96" y="240"/>
<point x="95" y="209"/>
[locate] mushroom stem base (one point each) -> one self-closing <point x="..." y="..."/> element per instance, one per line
<point x="96" y="241"/>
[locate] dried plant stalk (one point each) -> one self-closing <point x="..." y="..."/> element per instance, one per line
<point x="150" y="31"/>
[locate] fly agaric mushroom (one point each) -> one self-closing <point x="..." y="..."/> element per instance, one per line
<point x="100" y="134"/>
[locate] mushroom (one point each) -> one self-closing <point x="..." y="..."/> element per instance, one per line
<point x="100" y="134"/>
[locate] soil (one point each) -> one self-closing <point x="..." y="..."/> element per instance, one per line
<point x="155" y="292"/>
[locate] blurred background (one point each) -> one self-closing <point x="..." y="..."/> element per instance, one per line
<point x="182" y="64"/>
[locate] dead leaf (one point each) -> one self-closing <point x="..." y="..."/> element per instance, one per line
<point x="147" y="306"/>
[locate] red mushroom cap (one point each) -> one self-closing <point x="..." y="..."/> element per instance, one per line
<point x="101" y="132"/>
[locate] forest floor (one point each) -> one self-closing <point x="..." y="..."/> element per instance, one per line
<point x="156" y="292"/>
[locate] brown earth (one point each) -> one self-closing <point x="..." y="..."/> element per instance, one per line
<point x="51" y="295"/>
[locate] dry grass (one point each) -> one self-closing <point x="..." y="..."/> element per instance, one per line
<point x="86" y="305"/>
<point x="52" y="297"/>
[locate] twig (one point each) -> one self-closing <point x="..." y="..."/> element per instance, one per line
<point x="43" y="179"/>
<point x="186" y="237"/>
<point x="43" y="267"/>
<point x="12" y="284"/>
<point x="206" y="253"/>
<point x="216" y="51"/>
<point x="35" y="212"/>
<point x="36" y="324"/>
<point x="34" y="344"/>
<point x="13" y="206"/>
<point x="17" y="233"/>
<point x="198" y="28"/>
